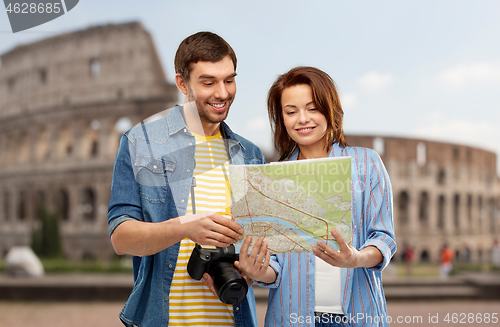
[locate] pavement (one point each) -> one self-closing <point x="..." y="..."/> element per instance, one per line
<point x="117" y="287"/>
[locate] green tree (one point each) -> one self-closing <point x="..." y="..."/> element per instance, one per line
<point x="46" y="241"/>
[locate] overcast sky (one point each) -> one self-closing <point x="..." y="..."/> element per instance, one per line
<point x="427" y="69"/>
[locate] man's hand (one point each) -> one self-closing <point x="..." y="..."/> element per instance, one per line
<point x="256" y="264"/>
<point x="207" y="280"/>
<point x="209" y="228"/>
<point x="348" y="256"/>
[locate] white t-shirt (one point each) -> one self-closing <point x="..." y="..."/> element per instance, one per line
<point x="327" y="288"/>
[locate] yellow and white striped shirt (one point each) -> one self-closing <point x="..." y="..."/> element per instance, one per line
<point x="191" y="302"/>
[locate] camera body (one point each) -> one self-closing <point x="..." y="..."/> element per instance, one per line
<point x="230" y="287"/>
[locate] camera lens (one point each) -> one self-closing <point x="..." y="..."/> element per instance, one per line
<point x="231" y="288"/>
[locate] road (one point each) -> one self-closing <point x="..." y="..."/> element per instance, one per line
<point x="104" y="314"/>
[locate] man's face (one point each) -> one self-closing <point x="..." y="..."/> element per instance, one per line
<point x="212" y="87"/>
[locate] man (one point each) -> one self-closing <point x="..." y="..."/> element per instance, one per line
<point x="159" y="167"/>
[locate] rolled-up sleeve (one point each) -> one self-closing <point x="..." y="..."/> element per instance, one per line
<point x="125" y="201"/>
<point x="276" y="264"/>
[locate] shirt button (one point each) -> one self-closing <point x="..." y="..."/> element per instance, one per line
<point x="170" y="266"/>
<point x="190" y="143"/>
<point x="166" y="298"/>
<point x="154" y="167"/>
<point x="182" y="201"/>
<point x="188" y="170"/>
<point x="237" y="308"/>
<point x="185" y="130"/>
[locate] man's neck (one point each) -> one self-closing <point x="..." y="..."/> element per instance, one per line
<point x="198" y="126"/>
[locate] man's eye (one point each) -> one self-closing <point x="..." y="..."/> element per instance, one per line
<point x="230" y="81"/>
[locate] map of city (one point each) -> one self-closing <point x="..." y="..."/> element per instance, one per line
<point x="293" y="204"/>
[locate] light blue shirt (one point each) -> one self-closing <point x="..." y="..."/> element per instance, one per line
<point x="291" y="296"/>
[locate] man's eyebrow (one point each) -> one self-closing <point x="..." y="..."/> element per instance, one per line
<point x="205" y="76"/>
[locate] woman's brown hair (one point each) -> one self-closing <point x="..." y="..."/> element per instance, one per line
<point x="325" y="99"/>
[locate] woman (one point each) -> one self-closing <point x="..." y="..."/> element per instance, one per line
<point x="329" y="288"/>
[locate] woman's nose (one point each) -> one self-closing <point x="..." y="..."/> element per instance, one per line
<point x="303" y="116"/>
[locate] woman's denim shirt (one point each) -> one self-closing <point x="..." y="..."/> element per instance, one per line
<point x="151" y="183"/>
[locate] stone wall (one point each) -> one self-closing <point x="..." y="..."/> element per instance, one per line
<point x="64" y="103"/>
<point x="443" y="193"/>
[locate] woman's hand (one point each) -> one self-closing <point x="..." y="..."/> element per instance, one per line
<point x="253" y="265"/>
<point x="347" y="256"/>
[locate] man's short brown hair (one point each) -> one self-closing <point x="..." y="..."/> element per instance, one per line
<point x="202" y="46"/>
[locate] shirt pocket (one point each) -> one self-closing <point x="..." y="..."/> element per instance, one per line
<point x="152" y="176"/>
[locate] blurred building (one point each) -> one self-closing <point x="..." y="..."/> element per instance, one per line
<point x="443" y="193"/>
<point x="64" y="103"/>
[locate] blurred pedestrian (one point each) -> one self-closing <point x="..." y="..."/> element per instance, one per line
<point x="495" y="254"/>
<point x="446" y="262"/>
<point x="408" y="258"/>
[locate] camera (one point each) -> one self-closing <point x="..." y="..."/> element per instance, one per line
<point x="230" y="287"/>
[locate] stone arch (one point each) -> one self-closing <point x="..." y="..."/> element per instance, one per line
<point x="423" y="207"/>
<point x="40" y="202"/>
<point x="23" y="155"/>
<point x="64" y="142"/>
<point x="403" y="206"/>
<point x="42" y="145"/>
<point x="21" y="206"/>
<point x="90" y="142"/>
<point x="456" y="210"/>
<point x="480" y="212"/>
<point x="492" y="214"/>
<point x="62" y="204"/>
<point x="424" y="256"/>
<point x="88" y="255"/>
<point x="441" y="177"/>
<point x="6" y="205"/>
<point x="88" y="204"/>
<point x="9" y="153"/>
<point x="441" y="212"/>
<point x="120" y="126"/>
<point x="469" y="210"/>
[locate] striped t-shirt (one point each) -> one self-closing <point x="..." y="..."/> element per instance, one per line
<point x="191" y="302"/>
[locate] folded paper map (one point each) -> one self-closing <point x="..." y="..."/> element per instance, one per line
<point x="293" y="204"/>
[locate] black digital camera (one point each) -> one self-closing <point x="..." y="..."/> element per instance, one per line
<point x="230" y="287"/>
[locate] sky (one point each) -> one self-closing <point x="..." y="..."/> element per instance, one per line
<point x="425" y="69"/>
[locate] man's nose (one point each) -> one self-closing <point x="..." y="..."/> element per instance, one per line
<point x="221" y="91"/>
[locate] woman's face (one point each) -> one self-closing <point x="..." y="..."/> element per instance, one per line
<point x="305" y="124"/>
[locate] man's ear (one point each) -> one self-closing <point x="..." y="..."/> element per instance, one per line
<point x="181" y="84"/>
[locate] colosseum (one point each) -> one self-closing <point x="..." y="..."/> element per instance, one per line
<point x="65" y="101"/>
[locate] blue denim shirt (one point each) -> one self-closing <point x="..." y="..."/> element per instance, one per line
<point x="151" y="183"/>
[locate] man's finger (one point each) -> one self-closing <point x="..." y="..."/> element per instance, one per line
<point x="227" y="223"/>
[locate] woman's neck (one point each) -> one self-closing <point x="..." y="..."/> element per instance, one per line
<point x="308" y="152"/>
